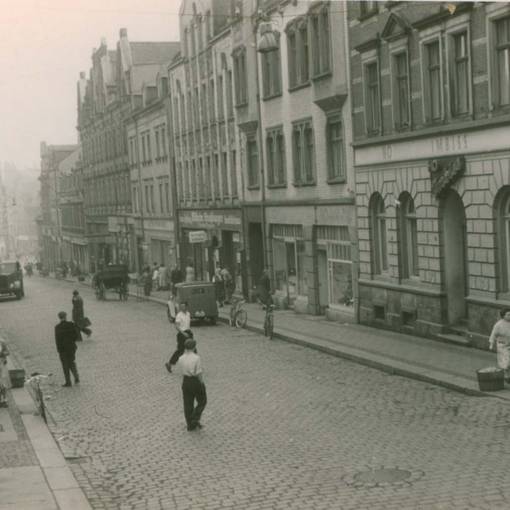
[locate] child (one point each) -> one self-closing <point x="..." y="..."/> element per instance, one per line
<point x="4" y="373"/>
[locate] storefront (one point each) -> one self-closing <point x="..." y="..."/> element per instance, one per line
<point x="210" y="240"/>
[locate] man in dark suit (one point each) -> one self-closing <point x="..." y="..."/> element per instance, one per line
<point x="65" y="338"/>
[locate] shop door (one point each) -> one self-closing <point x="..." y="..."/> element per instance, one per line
<point x="454" y="239"/>
<point x="322" y="277"/>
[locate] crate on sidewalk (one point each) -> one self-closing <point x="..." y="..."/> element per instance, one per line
<point x="17" y="377"/>
<point x="491" y="379"/>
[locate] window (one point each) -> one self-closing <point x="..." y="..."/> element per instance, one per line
<point x="164" y="151"/>
<point x="459" y="77"/>
<point x="187" y="182"/>
<point x="241" y="84"/>
<point x="367" y="8"/>
<point x="207" y="179"/>
<point x="252" y="162"/>
<point x="504" y="238"/>
<point x="303" y="153"/>
<point x="335" y="147"/>
<point x="221" y="113"/>
<point x="320" y="40"/>
<point x="147" y="200"/>
<point x="233" y="174"/>
<point x="408" y="236"/>
<point x="378" y="231"/>
<point x="372" y="98"/>
<point x="275" y="148"/>
<point x="503" y="61"/>
<point x="433" y="82"/>
<point x="224" y="174"/>
<point x="230" y="100"/>
<point x="401" y="91"/>
<point x="201" y="191"/>
<point x="158" y="149"/>
<point x="271" y="73"/>
<point x="161" y="201"/>
<point x="167" y="196"/>
<point x="216" y="178"/>
<point x="211" y="101"/>
<point x="298" y="57"/>
<point x="194" y="193"/>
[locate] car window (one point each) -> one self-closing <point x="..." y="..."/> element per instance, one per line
<point x="7" y="267"/>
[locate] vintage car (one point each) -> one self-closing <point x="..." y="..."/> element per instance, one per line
<point x="11" y="279"/>
<point x="201" y="299"/>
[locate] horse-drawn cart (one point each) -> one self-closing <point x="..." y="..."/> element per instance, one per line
<point x="113" y="277"/>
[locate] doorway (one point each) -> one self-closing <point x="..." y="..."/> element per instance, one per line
<point x="322" y="276"/>
<point x="454" y="256"/>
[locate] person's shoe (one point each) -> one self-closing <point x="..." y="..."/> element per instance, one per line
<point x="76" y="381"/>
<point x="88" y="334"/>
<point x="191" y="428"/>
<point x="200" y="426"/>
<point x="168" y="367"/>
<point x="66" y="385"/>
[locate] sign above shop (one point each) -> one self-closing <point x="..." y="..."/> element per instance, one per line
<point x="197" y="236"/>
<point x="209" y="218"/>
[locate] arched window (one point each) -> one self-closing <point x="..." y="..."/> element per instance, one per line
<point x="408" y="236"/>
<point x="504" y="240"/>
<point x="378" y="230"/>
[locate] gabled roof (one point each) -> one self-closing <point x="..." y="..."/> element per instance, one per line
<point x="153" y="52"/>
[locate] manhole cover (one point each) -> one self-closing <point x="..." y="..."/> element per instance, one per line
<point x="383" y="476"/>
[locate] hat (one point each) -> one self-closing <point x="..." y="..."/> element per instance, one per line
<point x="190" y="344"/>
<point x="75" y="292"/>
<point x="62" y="315"/>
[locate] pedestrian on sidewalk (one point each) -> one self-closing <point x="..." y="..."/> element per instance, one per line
<point x="175" y="278"/>
<point x="66" y="335"/>
<point x="82" y="323"/>
<point x="265" y="288"/>
<point x="193" y="386"/>
<point x="183" y="326"/>
<point x="147" y="281"/>
<point x="500" y="338"/>
<point x="4" y="373"/>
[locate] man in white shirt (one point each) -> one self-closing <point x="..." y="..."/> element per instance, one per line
<point x="193" y="386"/>
<point x="183" y="326"/>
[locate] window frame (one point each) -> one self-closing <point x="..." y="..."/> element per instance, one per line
<point x="276" y="157"/>
<point x="340" y="177"/>
<point x="299" y="67"/>
<point x="271" y="66"/>
<point x="408" y="237"/>
<point x="370" y="109"/>
<point x="427" y="105"/>
<point x="367" y="9"/>
<point x="301" y="154"/>
<point x="252" y="152"/>
<point x="378" y="235"/>
<point x="320" y="40"/>
<point x="495" y="13"/>
<point x="240" y="77"/>
<point x="397" y="104"/>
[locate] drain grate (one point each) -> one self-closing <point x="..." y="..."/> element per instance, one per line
<point x="382" y="477"/>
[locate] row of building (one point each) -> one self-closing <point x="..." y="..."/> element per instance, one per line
<point x="358" y="150"/>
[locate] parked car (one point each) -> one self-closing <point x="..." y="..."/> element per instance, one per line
<point x="11" y="279"/>
<point x="201" y="299"/>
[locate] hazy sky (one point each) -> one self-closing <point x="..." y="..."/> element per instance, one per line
<point x="44" y="44"/>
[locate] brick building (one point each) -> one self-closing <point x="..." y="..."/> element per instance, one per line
<point x="297" y="164"/>
<point x="431" y="105"/>
<point x="205" y="141"/>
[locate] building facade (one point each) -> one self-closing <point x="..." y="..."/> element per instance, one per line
<point x="431" y="105"/>
<point x="50" y="231"/>
<point x="297" y="164"/>
<point x="70" y="209"/>
<point x="205" y="142"/>
<point x="153" y="208"/>
<point x="105" y="101"/>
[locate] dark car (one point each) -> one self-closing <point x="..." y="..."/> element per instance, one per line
<point x="11" y="279"/>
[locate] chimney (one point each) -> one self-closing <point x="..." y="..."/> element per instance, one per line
<point x="123" y="33"/>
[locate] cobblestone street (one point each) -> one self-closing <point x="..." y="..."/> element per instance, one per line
<point x="285" y="427"/>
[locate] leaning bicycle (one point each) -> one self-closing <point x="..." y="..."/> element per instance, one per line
<point x="269" y="321"/>
<point x="35" y="383"/>
<point x="238" y="315"/>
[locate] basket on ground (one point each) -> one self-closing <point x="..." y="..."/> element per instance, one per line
<point x="491" y="379"/>
<point x="17" y="377"/>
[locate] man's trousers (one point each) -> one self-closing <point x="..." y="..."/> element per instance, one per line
<point x="69" y="366"/>
<point x="193" y="389"/>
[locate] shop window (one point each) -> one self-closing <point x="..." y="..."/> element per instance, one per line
<point x="378" y="234"/>
<point x="408" y="236"/>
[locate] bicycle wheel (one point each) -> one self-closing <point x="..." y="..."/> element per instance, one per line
<point x="240" y="319"/>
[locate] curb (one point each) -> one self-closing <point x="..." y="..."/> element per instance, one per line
<point x="356" y="358"/>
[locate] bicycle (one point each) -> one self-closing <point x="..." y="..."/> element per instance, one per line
<point x="269" y="321"/>
<point x="35" y="382"/>
<point x="238" y="315"/>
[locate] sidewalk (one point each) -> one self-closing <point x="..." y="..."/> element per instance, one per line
<point x="428" y="360"/>
<point x="33" y="472"/>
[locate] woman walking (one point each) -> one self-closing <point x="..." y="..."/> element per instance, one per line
<point x="81" y="322"/>
<point x="500" y="337"/>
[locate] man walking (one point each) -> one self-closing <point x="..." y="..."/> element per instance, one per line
<point x="66" y="335"/>
<point x="193" y="386"/>
<point x="79" y="318"/>
<point x="183" y="327"/>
